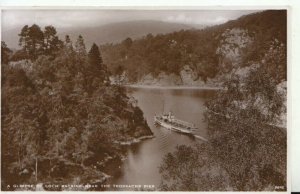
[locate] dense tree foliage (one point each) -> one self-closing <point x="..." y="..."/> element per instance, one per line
<point x="32" y="40"/>
<point x="264" y="26"/>
<point x="36" y="42"/>
<point x="51" y="40"/>
<point x="60" y="116"/>
<point x="242" y="132"/>
<point x="190" y="169"/>
<point x="5" y="53"/>
<point x="168" y="53"/>
<point x="247" y="148"/>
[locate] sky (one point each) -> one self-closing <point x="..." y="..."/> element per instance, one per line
<point x="81" y="18"/>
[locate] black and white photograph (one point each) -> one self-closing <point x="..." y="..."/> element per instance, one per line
<point x="144" y="99"/>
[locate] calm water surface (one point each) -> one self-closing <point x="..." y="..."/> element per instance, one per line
<point x="141" y="166"/>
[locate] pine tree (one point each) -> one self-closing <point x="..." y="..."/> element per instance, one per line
<point x="68" y="43"/>
<point x="36" y="41"/>
<point x="32" y="40"/>
<point x="96" y="67"/>
<point x="95" y="58"/>
<point x="52" y="43"/>
<point x="24" y="37"/>
<point x="80" y="46"/>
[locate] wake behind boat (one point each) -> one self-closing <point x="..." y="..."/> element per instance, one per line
<point x="169" y="121"/>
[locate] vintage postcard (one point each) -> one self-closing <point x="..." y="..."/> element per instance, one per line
<point x="144" y="99"/>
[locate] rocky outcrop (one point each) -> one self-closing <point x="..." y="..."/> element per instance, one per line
<point x="243" y="72"/>
<point x="232" y="43"/>
<point x="232" y="46"/>
<point x="260" y="103"/>
<point x="187" y="77"/>
<point x="229" y="52"/>
<point x="190" y="77"/>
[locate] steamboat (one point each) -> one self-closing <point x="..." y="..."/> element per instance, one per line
<point x="169" y="121"/>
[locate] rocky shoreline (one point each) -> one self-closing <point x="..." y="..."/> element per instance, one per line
<point x="180" y="87"/>
<point x="134" y="140"/>
<point x="104" y="170"/>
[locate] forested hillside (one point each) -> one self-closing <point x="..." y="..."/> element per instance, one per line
<point x="202" y="54"/>
<point x="247" y="129"/>
<point x="62" y="121"/>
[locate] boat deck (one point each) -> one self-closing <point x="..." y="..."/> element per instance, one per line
<point x="178" y="123"/>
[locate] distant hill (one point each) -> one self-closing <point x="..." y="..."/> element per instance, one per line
<point x="10" y="37"/>
<point x="116" y="32"/>
<point x="109" y="33"/>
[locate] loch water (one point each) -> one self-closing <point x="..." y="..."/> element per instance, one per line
<point x="141" y="166"/>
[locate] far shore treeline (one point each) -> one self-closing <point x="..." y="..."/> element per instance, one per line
<point x="197" y="48"/>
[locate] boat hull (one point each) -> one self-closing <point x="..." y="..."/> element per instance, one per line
<point x="172" y="127"/>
